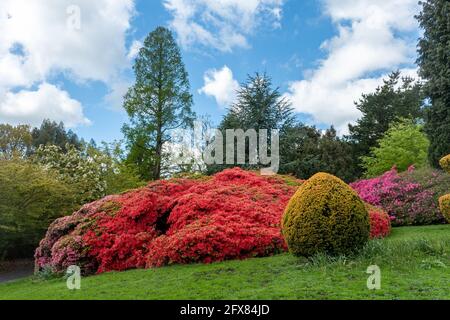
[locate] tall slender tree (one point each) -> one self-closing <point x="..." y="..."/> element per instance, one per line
<point x="434" y="63"/>
<point x="159" y="102"/>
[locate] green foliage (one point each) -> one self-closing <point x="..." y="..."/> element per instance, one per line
<point x="184" y="154"/>
<point x="52" y="133"/>
<point x="403" y="145"/>
<point x="258" y="106"/>
<point x="444" y="201"/>
<point x="93" y="172"/>
<point x="444" y="206"/>
<point x="14" y="141"/>
<point x="336" y="156"/>
<point x="82" y="170"/>
<point x="306" y="151"/>
<point x="434" y="66"/>
<point x="299" y="153"/>
<point x="119" y="175"/>
<point x="22" y="141"/>
<point x="433" y="180"/>
<point x="157" y="103"/>
<point x="396" y="98"/>
<point x="445" y="163"/>
<point x="325" y="216"/>
<point x="31" y="197"/>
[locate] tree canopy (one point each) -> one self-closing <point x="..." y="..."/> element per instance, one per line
<point x="434" y="67"/>
<point x="403" y="145"/>
<point x="159" y="101"/>
<point x="398" y="97"/>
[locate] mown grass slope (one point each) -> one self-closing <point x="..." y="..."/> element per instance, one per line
<point x="414" y="262"/>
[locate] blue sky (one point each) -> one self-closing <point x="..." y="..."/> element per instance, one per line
<point x="71" y="60"/>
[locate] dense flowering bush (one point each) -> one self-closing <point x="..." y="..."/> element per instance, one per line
<point x="433" y="180"/>
<point x="380" y="222"/>
<point x="408" y="202"/>
<point x="233" y="215"/>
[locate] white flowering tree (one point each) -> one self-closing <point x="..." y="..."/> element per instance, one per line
<point x="85" y="170"/>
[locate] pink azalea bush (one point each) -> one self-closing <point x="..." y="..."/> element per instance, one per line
<point x="408" y="202"/>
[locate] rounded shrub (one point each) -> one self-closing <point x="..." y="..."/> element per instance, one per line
<point x="445" y="163"/>
<point x="444" y="206"/>
<point x="444" y="201"/>
<point x="325" y="215"/>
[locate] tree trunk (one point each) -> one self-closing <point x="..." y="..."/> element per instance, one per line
<point x="157" y="171"/>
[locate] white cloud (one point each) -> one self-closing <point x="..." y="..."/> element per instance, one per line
<point x="51" y="42"/>
<point x="373" y="37"/>
<point x="221" y="24"/>
<point x="134" y="49"/>
<point x="221" y="85"/>
<point x="47" y="102"/>
<point x="115" y="97"/>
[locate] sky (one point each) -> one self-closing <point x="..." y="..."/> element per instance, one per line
<point x="71" y="60"/>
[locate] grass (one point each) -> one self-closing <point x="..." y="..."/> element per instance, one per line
<point x="414" y="263"/>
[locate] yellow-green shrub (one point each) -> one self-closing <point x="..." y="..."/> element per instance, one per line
<point x="325" y="215"/>
<point x="444" y="201"/>
<point x="445" y="163"/>
<point x="444" y="206"/>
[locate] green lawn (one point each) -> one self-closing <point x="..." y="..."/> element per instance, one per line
<point x="414" y="262"/>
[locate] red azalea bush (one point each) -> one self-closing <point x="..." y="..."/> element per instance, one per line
<point x="235" y="214"/>
<point x="407" y="200"/>
<point x="380" y="222"/>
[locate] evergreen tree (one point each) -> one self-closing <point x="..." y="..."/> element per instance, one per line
<point x="157" y="103"/>
<point x="336" y="156"/>
<point x="306" y="151"/>
<point x="258" y="106"/>
<point x="300" y="152"/>
<point x="397" y="98"/>
<point x="434" y="63"/>
<point x="52" y="133"/>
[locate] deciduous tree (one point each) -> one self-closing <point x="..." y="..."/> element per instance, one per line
<point x="159" y="101"/>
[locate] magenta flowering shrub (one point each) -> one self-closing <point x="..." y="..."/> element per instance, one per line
<point x="63" y="244"/>
<point x="407" y="202"/>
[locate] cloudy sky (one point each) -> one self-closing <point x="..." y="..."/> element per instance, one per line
<point x="70" y="60"/>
